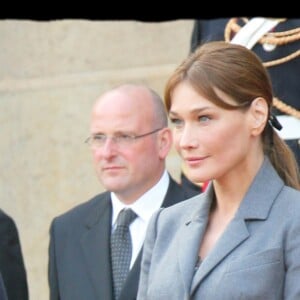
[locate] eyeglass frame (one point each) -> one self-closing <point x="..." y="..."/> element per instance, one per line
<point x="127" y="138"/>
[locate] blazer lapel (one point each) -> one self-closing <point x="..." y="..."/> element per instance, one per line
<point x="255" y="206"/>
<point x="190" y="236"/>
<point x="234" y="235"/>
<point x="95" y="246"/>
<point x="188" y="248"/>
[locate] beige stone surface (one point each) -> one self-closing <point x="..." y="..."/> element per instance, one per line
<point x="50" y="74"/>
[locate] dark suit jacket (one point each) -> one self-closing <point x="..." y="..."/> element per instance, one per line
<point x="11" y="260"/>
<point x="3" y="294"/>
<point x="79" y="251"/>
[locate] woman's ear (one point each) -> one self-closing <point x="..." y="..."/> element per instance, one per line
<point x="259" y="112"/>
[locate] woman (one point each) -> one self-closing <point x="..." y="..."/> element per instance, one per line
<point x="240" y="239"/>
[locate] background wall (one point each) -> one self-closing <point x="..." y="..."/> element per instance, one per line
<point x="50" y="74"/>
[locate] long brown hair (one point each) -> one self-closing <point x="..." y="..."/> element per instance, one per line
<point x="239" y="73"/>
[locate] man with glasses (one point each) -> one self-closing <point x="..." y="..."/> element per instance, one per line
<point x="129" y="140"/>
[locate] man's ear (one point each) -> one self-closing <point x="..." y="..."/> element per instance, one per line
<point x="259" y="112"/>
<point x="165" y="142"/>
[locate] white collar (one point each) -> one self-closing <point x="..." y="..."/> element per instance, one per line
<point x="149" y="202"/>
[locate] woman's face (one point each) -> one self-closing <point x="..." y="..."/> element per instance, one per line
<point x="212" y="141"/>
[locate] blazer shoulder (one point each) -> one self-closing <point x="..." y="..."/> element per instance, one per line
<point x="290" y="197"/>
<point x="185" y="207"/>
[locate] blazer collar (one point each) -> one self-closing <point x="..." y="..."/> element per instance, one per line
<point x="258" y="200"/>
<point x="191" y="234"/>
<point x="262" y="193"/>
<point x="255" y="205"/>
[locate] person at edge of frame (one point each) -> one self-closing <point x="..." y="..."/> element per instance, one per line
<point x="12" y="266"/>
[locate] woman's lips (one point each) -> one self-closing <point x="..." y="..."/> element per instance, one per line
<point x="194" y="161"/>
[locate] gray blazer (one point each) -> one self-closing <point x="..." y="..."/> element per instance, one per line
<point x="257" y="257"/>
<point x="79" y="252"/>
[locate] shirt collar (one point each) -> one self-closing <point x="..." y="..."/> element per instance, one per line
<point x="147" y="204"/>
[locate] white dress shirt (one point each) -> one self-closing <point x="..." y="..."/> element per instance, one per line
<point x="144" y="207"/>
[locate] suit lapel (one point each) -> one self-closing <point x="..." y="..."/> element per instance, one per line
<point x="95" y="243"/>
<point x="130" y="288"/>
<point x="234" y="235"/>
<point x="174" y="195"/>
<point x="188" y="248"/>
<point x="190" y="236"/>
<point x="255" y="206"/>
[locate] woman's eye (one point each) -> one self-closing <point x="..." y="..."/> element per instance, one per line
<point x="203" y="118"/>
<point x="175" y="122"/>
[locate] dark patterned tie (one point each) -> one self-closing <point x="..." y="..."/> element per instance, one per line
<point x="121" y="248"/>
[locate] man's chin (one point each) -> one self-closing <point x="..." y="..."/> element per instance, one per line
<point x="112" y="185"/>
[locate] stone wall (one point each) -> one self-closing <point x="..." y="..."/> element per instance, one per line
<point x="50" y="74"/>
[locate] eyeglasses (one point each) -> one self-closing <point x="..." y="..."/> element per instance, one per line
<point x="122" y="139"/>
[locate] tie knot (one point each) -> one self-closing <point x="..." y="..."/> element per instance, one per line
<point x="125" y="217"/>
